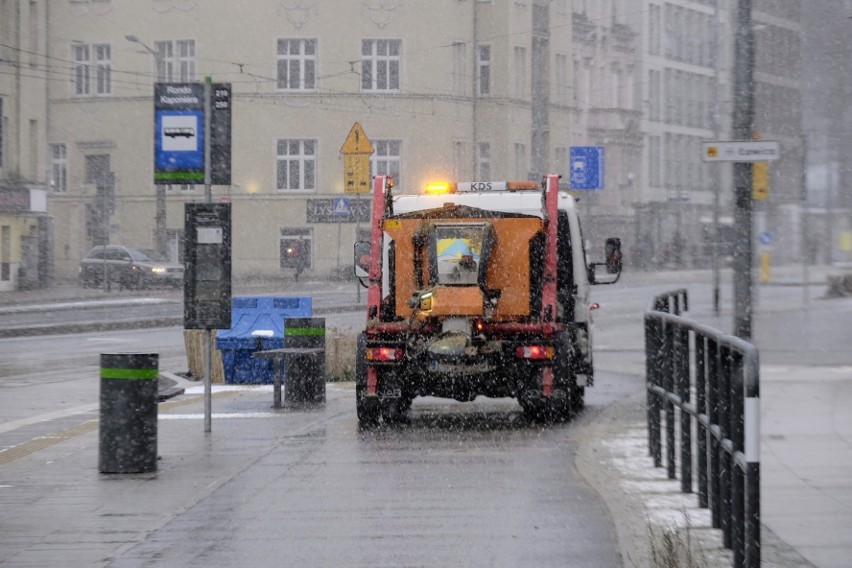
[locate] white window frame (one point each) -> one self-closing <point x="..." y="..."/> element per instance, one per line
<point x="302" y="61"/>
<point x="59" y="167"/>
<point x="80" y="55"/>
<point x="459" y="160"/>
<point x="293" y="233"/>
<point x="87" y="58"/>
<point x="103" y="68"/>
<point x="381" y="65"/>
<point x="483" y="70"/>
<point x="165" y="60"/>
<point x="304" y="158"/>
<point x="185" y="49"/>
<point x="175" y="60"/>
<point x="387" y="158"/>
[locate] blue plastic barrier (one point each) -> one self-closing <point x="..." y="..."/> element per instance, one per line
<point x="257" y="324"/>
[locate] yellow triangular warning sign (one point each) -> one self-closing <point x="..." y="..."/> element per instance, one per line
<point x="357" y="142"/>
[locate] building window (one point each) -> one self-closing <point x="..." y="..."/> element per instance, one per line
<point x="1" y="131"/>
<point x="34" y="35"/>
<point x="97" y="166"/>
<point x="654" y="161"/>
<point x="183" y="188"/>
<point x="186" y="59"/>
<point x="459" y="68"/>
<point x="81" y="69"/>
<point x="296" y="162"/>
<point x="103" y="68"/>
<point x="483" y="75"/>
<point x="520" y="72"/>
<point x="295" y="245"/>
<point x="297" y="61"/>
<point x="380" y="59"/>
<point x="656" y="33"/>
<point x="175" y="60"/>
<point x="386" y="160"/>
<point x="87" y="57"/>
<point x="459" y="160"/>
<point x="59" y="168"/>
<point x="483" y="164"/>
<point x="5" y="253"/>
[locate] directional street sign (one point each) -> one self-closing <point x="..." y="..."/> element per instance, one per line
<point x="356" y="152"/>
<point x="587" y="167"/>
<point x="741" y="151"/>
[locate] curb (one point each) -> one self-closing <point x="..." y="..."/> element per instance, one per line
<point x="90" y="326"/>
<point x="643" y="502"/>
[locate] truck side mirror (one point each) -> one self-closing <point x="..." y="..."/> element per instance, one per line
<point x="612" y="250"/>
<point x="362" y="259"/>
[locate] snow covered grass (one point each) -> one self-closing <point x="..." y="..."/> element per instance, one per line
<point x="339" y="355"/>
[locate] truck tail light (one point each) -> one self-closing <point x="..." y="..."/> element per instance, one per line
<point x="535" y="352"/>
<point x="384" y="354"/>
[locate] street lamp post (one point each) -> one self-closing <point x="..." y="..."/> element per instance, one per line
<point x="160" y="241"/>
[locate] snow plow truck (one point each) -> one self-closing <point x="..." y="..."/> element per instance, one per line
<point x="477" y="288"/>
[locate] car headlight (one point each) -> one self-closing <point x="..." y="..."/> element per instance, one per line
<point x="158" y="270"/>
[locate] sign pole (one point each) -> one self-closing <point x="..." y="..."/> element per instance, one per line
<point x="357" y="233"/>
<point x="743" y="128"/>
<point x="356" y="152"/>
<point x="208" y="198"/>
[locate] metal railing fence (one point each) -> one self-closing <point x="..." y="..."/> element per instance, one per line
<point x="684" y="357"/>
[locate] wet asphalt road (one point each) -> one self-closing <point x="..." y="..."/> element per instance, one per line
<point x="471" y="484"/>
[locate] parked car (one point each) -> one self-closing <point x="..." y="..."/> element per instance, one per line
<point x="128" y="267"/>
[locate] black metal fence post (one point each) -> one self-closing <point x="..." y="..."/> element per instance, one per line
<point x="752" y="458"/>
<point x="715" y="445"/>
<point x="682" y="367"/>
<point x="667" y="367"/>
<point x="703" y="433"/>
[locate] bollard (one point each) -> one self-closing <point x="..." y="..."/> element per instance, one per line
<point x="128" y="415"/>
<point x="305" y="372"/>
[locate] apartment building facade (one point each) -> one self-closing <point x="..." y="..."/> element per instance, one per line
<point x="443" y="90"/>
<point x="25" y="227"/>
<point x="688" y="59"/>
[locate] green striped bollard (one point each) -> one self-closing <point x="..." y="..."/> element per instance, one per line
<point x="305" y="365"/>
<point x="128" y="415"/>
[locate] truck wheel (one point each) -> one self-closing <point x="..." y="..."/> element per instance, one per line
<point x="395" y="410"/>
<point x="368" y="408"/>
<point x="578" y="399"/>
<point x="566" y="376"/>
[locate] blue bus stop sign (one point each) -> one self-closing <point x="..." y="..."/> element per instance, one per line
<point x="586" y="167"/>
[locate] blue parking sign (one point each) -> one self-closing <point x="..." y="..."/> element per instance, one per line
<point x="586" y="167"/>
